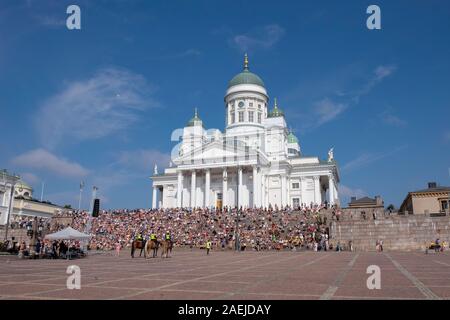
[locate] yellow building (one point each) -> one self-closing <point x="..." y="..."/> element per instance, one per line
<point x="435" y="199"/>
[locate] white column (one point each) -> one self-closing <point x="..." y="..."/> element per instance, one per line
<point x="317" y="198"/>
<point x="180" y="190"/>
<point x="193" y="189"/>
<point x="283" y="190"/>
<point x="240" y="187"/>
<point x="154" y="195"/>
<point x="302" y="192"/>
<point x="263" y="190"/>
<point x="207" y="187"/>
<point x="224" y="187"/>
<point x="331" y="189"/>
<point x="266" y="191"/>
<point x="255" y="186"/>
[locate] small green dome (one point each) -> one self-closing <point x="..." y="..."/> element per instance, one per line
<point x="246" y="77"/>
<point x="292" y="138"/>
<point x="195" y="120"/>
<point x="276" y="112"/>
<point x="22" y="184"/>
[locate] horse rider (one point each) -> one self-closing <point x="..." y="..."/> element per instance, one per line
<point x="153" y="237"/>
<point x="168" y="236"/>
<point x="139" y="237"/>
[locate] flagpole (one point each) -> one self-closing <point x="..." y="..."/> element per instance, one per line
<point x="79" y="200"/>
<point x="42" y="190"/>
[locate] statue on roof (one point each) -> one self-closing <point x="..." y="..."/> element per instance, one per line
<point x="330" y="154"/>
<point x="155" y="171"/>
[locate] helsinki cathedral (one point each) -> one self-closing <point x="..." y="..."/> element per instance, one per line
<point x="255" y="162"/>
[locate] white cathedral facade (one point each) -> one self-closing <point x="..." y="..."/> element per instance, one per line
<point x="255" y="162"/>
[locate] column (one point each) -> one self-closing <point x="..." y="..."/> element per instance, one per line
<point x="317" y="198"/>
<point x="255" y="186"/>
<point x="154" y="195"/>
<point x="302" y="192"/>
<point x="224" y="187"/>
<point x="263" y="190"/>
<point x="180" y="190"/>
<point x="240" y="187"/>
<point x="331" y="189"/>
<point x="283" y="190"/>
<point x="207" y="187"/>
<point x="161" y="197"/>
<point x="193" y="189"/>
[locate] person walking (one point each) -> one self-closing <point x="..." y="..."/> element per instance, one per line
<point x="208" y="246"/>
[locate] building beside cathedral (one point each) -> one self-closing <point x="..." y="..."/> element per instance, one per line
<point x="255" y="162"/>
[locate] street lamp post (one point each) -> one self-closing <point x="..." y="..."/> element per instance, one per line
<point x="236" y="238"/>
<point x="89" y="222"/>
<point x="11" y="180"/>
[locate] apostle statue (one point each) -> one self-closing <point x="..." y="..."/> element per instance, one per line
<point x="330" y="155"/>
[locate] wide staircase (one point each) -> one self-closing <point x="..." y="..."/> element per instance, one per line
<point x="398" y="232"/>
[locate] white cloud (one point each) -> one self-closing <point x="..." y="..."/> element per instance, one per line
<point x="348" y="192"/>
<point x="50" y="21"/>
<point x="327" y="110"/>
<point x="367" y="158"/>
<point x="94" y="108"/>
<point x="42" y="159"/>
<point x="144" y="160"/>
<point x="265" y="38"/>
<point x="30" y="178"/>
<point x="378" y="75"/>
<point x="388" y="118"/>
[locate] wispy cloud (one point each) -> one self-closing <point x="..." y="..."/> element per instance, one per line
<point x="50" y="21"/>
<point x="338" y="99"/>
<point x="264" y="37"/>
<point x="348" y="192"/>
<point x="42" y="159"/>
<point x="144" y="160"/>
<point x="94" y="108"/>
<point x="387" y="117"/>
<point x="367" y="158"/>
<point x="327" y="110"/>
<point x="30" y="178"/>
<point x="381" y="72"/>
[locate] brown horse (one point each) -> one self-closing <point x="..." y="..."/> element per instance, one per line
<point x="167" y="246"/>
<point x="149" y="246"/>
<point x="137" y="244"/>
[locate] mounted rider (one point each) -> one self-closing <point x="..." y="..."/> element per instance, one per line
<point x="168" y="236"/>
<point x="139" y="237"/>
<point x="153" y="237"/>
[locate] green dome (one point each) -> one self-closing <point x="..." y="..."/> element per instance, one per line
<point x="291" y="138"/>
<point x="246" y="77"/>
<point x="195" y="120"/>
<point x="23" y="185"/>
<point x="276" y="112"/>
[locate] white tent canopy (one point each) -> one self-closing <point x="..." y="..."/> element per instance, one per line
<point x="68" y="234"/>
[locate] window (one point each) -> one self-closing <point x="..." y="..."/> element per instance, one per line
<point x="241" y="116"/>
<point x="259" y="117"/>
<point x="259" y="106"/>
<point x="296" y="185"/>
<point x="250" y="116"/>
<point x="296" y="202"/>
<point x="251" y="104"/>
<point x="444" y="205"/>
<point x="232" y="117"/>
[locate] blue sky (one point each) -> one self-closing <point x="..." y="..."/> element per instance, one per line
<point x="99" y="104"/>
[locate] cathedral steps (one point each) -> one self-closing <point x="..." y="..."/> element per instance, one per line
<point x="397" y="232"/>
